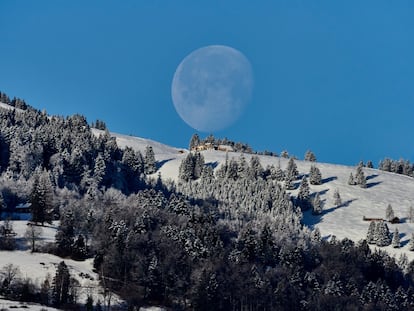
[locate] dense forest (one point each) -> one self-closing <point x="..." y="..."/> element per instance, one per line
<point x="225" y="239"/>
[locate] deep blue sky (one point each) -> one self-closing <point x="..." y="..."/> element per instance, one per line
<point x="335" y="77"/>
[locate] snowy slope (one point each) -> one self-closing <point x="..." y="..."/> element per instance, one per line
<point x="8" y="107"/>
<point x="39" y="266"/>
<point x="14" y="305"/>
<point x="162" y="151"/>
<point x="346" y="221"/>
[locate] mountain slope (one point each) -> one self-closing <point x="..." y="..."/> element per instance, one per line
<point x="344" y="222"/>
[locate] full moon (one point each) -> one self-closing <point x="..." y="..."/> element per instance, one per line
<point x="212" y="87"/>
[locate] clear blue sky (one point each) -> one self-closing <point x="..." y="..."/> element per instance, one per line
<point x="336" y="77"/>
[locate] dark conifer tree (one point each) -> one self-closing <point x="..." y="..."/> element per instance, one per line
<point x="61" y="285"/>
<point x="149" y="159"/>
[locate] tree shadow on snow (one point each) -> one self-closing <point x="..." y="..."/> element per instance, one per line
<point x="160" y="164"/>
<point x="373" y="184"/>
<point x="371" y="176"/>
<point x="332" y="178"/>
<point x="213" y="165"/>
<point x="311" y="220"/>
<point x="403" y="243"/>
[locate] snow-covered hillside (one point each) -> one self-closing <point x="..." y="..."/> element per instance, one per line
<point x="346" y="221"/>
<point x="39" y="266"/>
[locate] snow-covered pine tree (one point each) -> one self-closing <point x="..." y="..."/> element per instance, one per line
<point x="371" y="233"/>
<point x="99" y="170"/>
<point x="315" y="176"/>
<point x="304" y="194"/>
<point x="65" y="235"/>
<point x="389" y="213"/>
<point x="284" y="154"/>
<point x="317" y="205"/>
<point x="396" y="239"/>
<point x="292" y="169"/>
<point x="370" y="164"/>
<point x="41" y="198"/>
<point x="310" y="156"/>
<point x="149" y="160"/>
<point x="351" y="180"/>
<point x="382" y="234"/>
<point x="198" y="165"/>
<point x="411" y="214"/>
<point x="337" y="198"/>
<point x="195" y="141"/>
<point x="360" y="176"/>
<point x="256" y="169"/>
<point x="279" y="174"/>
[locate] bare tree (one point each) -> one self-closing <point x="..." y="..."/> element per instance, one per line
<point x="10" y="272"/>
<point x="33" y="234"/>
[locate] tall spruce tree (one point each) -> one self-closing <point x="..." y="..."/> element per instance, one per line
<point x="337" y="198"/>
<point x="371" y="233"/>
<point x="61" y="285"/>
<point x="304" y="194"/>
<point x="382" y="235"/>
<point x="195" y="141"/>
<point x="149" y="161"/>
<point x="317" y="205"/>
<point x="396" y="239"/>
<point x="315" y="176"/>
<point x="41" y="198"/>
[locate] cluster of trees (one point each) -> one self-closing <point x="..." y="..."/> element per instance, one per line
<point x="60" y="291"/>
<point x="40" y="154"/>
<point x="359" y="178"/>
<point x="400" y="167"/>
<point x="225" y="240"/>
<point x="378" y="233"/>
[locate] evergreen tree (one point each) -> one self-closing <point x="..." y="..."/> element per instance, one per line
<point x="310" y="156"/>
<point x="2" y="204"/>
<point x="360" y="176"/>
<point x="396" y="239"/>
<point x="65" y="235"/>
<point x="99" y="170"/>
<point x="41" y="198"/>
<point x="256" y="169"/>
<point x="337" y="198"/>
<point x="284" y="154"/>
<point x="351" y="180"/>
<point x="382" y="235"/>
<point x="315" y="176"/>
<point x="191" y="166"/>
<point x="411" y="214"/>
<point x="61" y="284"/>
<point x="389" y="213"/>
<point x="279" y="174"/>
<point x="304" y="194"/>
<point x="89" y="303"/>
<point x="195" y="141"/>
<point x="292" y="169"/>
<point x="317" y="205"/>
<point x="149" y="160"/>
<point x="369" y="164"/>
<point x="371" y="233"/>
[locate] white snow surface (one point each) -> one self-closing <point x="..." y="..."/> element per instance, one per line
<point x="39" y="266"/>
<point x="16" y="305"/>
<point x="344" y="222"/>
